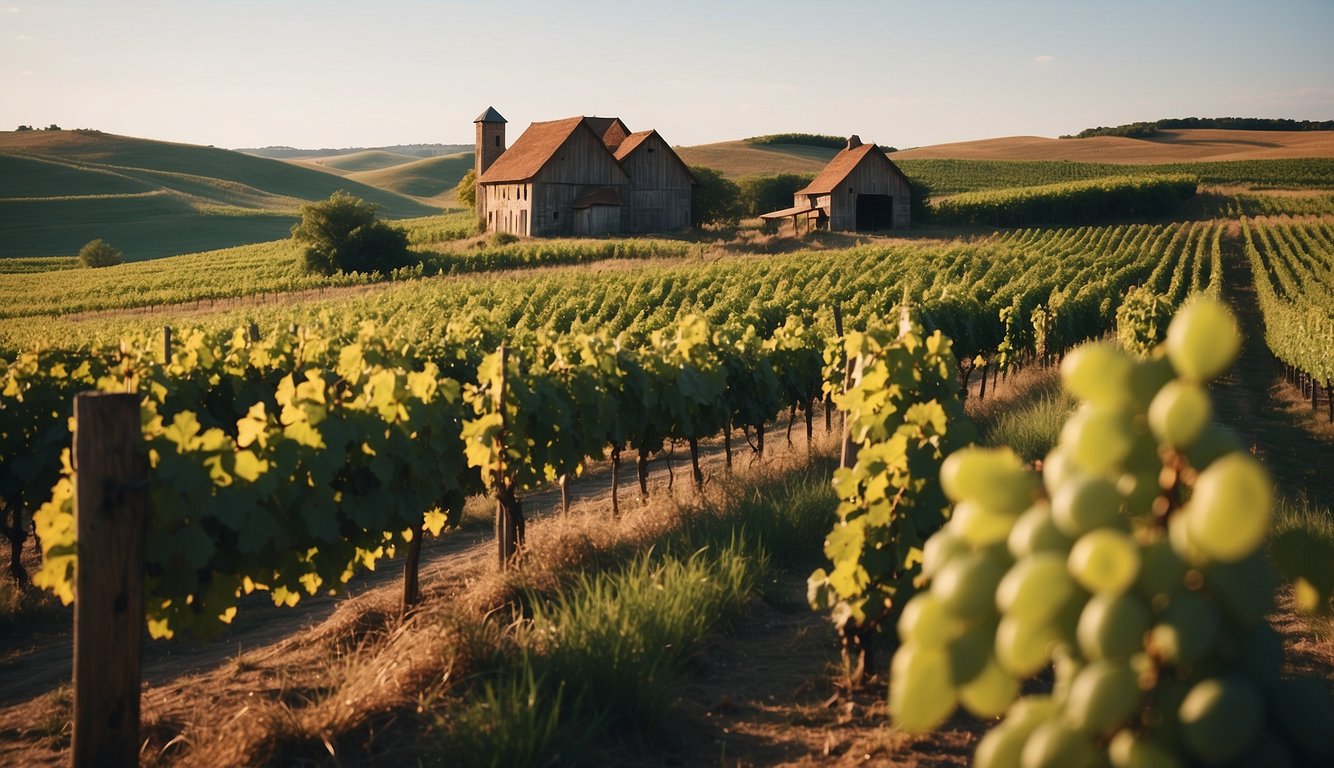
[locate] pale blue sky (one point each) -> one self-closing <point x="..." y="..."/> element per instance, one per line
<point x="331" y="74"/>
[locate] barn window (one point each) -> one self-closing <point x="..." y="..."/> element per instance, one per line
<point x="497" y="139"/>
<point x="555" y="215"/>
<point x="849" y="190"/>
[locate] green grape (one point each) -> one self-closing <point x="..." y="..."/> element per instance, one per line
<point x="1028" y="712"/>
<point x="1035" y="532"/>
<point x="1036" y="588"/>
<point x="992" y="476"/>
<point x="1183" y="542"/>
<point x="926" y="621"/>
<point x="1203" y="340"/>
<point x="1024" y="647"/>
<point x="1232" y="508"/>
<point x="1220" y="718"/>
<point x="1086" y="503"/>
<point x="1098" y="372"/>
<point x="1140" y="490"/>
<point x="1179" y="413"/>
<point x="970" y="652"/>
<point x="1269" y="751"/>
<point x="1065" y="664"/>
<point x="1189" y="629"/>
<point x="1130" y="750"/>
<point x="1000" y="747"/>
<point x="1057" y="469"/>
<point x="1105" y="561"/>
<point x="943" y="547"/>
<point x="1302" y="709"/>
<point x="1103" y="695"/>
<point x="1112" y="626"/>
<point x="1161" y="571"/>
<point x="1147" y="378"/>
<point x="1213" y="443"/>
<point x="990" y="692"/>
<point x="967" y="585"/>
<point x="979" y="524"/>
<point x="1056" y="744"/>
<point x="921" y="691"/>
<point x="1097" y="438"/>
<point x="1245" y="589"/>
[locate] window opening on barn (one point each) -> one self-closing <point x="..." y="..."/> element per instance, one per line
<point x="497" y="140"/>
<point x="849" y="190"/>
<point x="555" y="215"/>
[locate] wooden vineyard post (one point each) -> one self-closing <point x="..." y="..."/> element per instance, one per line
<point x="509" y="514"/>
<point x="851" y="378"/>
<point x="412" y="571"/>
<point x="829" y="396"/>
<point x="166" y="345"/>
<point x="110" y="511"/>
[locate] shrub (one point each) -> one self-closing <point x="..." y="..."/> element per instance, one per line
<point x="466" y="191"/>
<point x="341" y="234"/>
<point x="100" y="253"/>
<point x="715" y="199"/>
<point x="503" y="238"/>
<point x="761" y="194"/>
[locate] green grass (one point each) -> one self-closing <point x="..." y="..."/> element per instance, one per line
<point x="1031" y="428"/>
<point x="429" y="177"/>
<point x="366" y="160"/>
<point x="601" y="660"/>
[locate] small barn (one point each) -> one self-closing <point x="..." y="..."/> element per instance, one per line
<point x="860" y="190"/>
<point x="579" y="175"/>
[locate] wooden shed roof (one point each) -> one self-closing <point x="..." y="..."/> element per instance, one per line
<point x="597" y="196"/>
<point x="636" y="140"/>
<point x="531" y="151"/>
<point x="843" y="164"/>
<point x="610" y="129"/>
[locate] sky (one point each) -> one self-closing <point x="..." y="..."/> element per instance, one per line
<point x="250" y="73"/>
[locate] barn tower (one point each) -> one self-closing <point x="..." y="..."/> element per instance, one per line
<point x="490" y="145"/>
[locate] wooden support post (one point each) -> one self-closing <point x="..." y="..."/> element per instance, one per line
<point x="506" y="505"/>
<point x="110" y="510"/>
<point x="412" y="571"/>
<point x="166" y="345"/>
<point x="615" y="481"/>
<point x="851" y="377"/>
<point x="694" y="463"/>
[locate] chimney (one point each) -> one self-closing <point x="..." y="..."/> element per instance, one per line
<point x="854" y="141"/>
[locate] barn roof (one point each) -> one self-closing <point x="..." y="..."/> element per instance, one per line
<point x="490" y="116"/>
<point x="636" y="140"/>
<point x="611" y="130"/>
<point x="843" y="164"/>
<point x="531" y="151"/>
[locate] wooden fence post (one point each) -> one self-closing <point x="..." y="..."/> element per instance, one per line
<point x="166" y="345"/>
<point x="111" y="506"/>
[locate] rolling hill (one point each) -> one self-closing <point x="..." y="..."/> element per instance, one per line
<point x="60" y="189"/>
<point x="352" y="162"/>
<point x="736" y="159"/>
<point x="1194" y="145"/>
<point x="432" y="179"/>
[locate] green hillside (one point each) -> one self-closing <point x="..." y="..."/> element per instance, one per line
<point x="60" y="189"/>
<point x="737" y="159"/>
<point x="433" y="178"/>
<point x="368" y="160"/>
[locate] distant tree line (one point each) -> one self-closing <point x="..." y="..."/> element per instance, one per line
<point x="1145" y="129"/>
<point x="806" y="140"/>
<point x="51" y="127"/>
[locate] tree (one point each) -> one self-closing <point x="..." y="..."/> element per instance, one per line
<point x="52" y="127"/>
<point x="25" y="127"/>
<point x="761" y="194"/>
<point x="100" y="253"/>
<point x="715" y="198"/>
<point x="342" y="234"/>
<point x="466" y="191"/>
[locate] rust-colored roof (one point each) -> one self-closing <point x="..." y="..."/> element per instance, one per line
<point x="840" y="166"/>
<point x="597" y="196"/>
<point x="611" y="130"/>
<point x="530" y="151"/>
<point x="795" y="210"/>
<point x="637" y="139"/>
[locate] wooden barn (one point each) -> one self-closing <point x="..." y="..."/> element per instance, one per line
<point x="581" y="176"/>
<point x="860" y="190"/>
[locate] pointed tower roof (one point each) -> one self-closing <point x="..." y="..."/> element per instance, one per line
<point x="490" y="116"/>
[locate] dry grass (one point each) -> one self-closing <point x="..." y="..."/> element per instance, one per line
<point x="1179" y="146"/>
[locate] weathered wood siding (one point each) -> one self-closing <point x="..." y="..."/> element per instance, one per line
<point x="872" y="176"/>
<point x="598" y="220"/>
<point x="509" y="208"/>
<point x="581" y="162"/>
<point x="659" y="198"/>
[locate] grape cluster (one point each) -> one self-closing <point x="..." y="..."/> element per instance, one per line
<point x="1135" y="568"/>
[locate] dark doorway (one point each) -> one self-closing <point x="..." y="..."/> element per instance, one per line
<point x="874" y="212"/>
